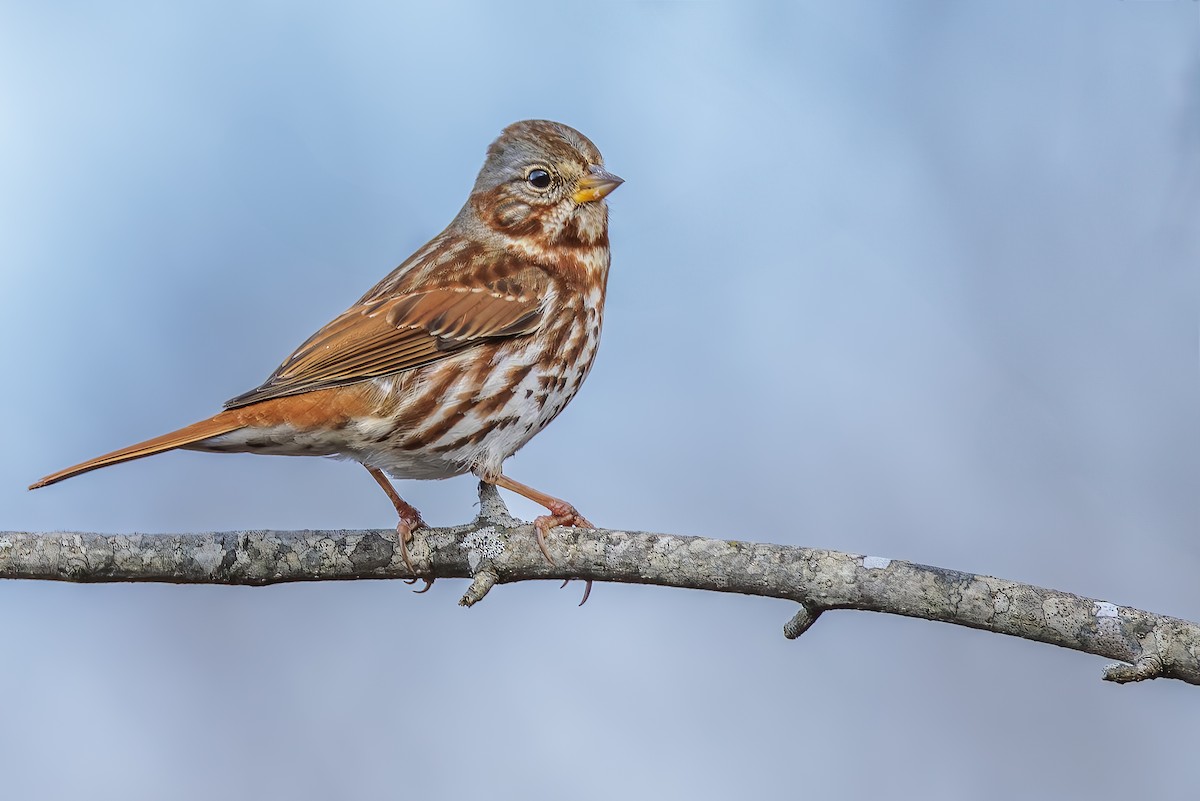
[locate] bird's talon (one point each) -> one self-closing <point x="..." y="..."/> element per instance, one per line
<point x="540" y="526"/>
<point x="428" y="584"/>
<point x="587" y="589"/>
<point x="404" y="534"/>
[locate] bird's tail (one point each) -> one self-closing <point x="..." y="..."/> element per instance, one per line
<point x="223" y="423"/>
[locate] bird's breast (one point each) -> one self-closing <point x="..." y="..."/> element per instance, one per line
<point x="476" y="409"/>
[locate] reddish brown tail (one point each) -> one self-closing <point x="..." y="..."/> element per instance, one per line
<point x="221" y="424"/>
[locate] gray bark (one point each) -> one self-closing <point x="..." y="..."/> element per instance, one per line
<point x="497" y="549"/>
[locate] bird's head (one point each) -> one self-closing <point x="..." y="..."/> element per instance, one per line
<point x="544" y="182"/>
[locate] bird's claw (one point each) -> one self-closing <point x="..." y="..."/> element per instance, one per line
<point x="404" y="530"/>
<point x="562" y="514"/>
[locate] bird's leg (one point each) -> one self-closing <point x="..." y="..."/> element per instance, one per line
<point x="561" y="514"/>
<point x="410" y="518"/>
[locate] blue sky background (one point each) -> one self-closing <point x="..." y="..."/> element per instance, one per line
<point x="917" y="280"/>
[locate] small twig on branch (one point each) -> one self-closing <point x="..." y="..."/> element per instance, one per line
<point x="497" y="549"/>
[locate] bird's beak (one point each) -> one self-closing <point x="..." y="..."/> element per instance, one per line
<point x="595" y="185"/>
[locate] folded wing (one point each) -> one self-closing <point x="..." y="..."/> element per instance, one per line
<point x="392" y="335"/>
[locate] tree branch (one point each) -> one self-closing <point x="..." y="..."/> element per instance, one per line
<point x="498" y="549"/>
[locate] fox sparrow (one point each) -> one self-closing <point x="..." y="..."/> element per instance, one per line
<point x="459" y="356"/>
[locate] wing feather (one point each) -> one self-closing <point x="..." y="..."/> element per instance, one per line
<point x="391" y="335"/>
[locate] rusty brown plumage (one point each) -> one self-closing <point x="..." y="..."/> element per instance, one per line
<point x="461" y="354"/>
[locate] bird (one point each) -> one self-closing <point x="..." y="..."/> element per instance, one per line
<point x="459" y="356"/>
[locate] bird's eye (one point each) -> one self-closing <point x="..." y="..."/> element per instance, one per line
<point x="538" y="179"/>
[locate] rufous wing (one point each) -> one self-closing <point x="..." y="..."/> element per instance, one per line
<point x="396" y="334"/>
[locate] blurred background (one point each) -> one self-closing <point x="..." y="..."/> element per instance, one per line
<point x="916" y="280"/>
